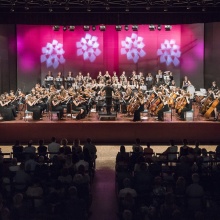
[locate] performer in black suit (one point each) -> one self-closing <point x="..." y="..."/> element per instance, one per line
<point x="108" y="96"/>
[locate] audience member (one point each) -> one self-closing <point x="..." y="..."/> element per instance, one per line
<point x="53" y="147"/>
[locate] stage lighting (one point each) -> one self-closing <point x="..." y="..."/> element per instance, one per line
<point x="71" y="28"/>
<point x="126" y="27"/>
<point x="159" y="27"/>
<point x="86" y="27"/>
<point x="102" y="27"/>
<point x="56" y="27"/>
<point x="135" y="27"/>
<point x="118" y="27"/>
<point x="168" y="27"/>
<point x="64" y="28"/>
<point x="50" y="10"/>
<point x="93" y="27"/>
<point x="152" y="27"/>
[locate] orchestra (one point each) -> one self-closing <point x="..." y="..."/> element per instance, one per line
<point x="130" y="95"/>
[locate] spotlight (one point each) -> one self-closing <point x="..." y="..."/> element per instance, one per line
<point x="126" y="27"/>
<point x="71" y="28"/>
<point x="168" y="27"/>
<point x="93" y="27"/>
<point x="118" y="27"/>
<point x="135" y="27"/>
<point x="152" y="27"/>
<point x="56" y="27"/>
<point x="64" y="28"/>
<point x="102" y="27"/>
<point x="86" y="27"/>
<point x="159" y="27"/>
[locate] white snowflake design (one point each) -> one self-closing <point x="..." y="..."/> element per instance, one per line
<point x="169" y="53"/>
<point x="132" y="47"/>
<point x="88" y="47"/>
<point x="52" y="54"/>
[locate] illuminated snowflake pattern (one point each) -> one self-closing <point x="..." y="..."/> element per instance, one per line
<point x="169" y="53"/>
<point x="52" y="54"/>
<point x="88" y="47"/>
<point x="132" y="47"/>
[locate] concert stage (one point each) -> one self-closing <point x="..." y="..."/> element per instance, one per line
<point x="120" y="131"/>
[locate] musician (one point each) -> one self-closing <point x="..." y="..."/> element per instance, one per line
<point x="6" y="111"/>
<point x="77" y="105"/>
<point x="214" y="87"/>
<point x="56" y="105"/>
<point x="140" y="108"/>
<point x="116" y="100"/>
<point x="123" y="77"/>
<point x="100" y="101"/>
<point x="33" y="107"/>
<point x="114" y="78"/>
<point x="126" y="99"/>
<point x="149" y="80"/>
<point x="49" y="80"/>
<point x="134" y="77"/>
<point x="165" y="107"/>
<point x="87" y="78"/>
<point x="79" y="79"/>
<point x="217" y="108"/>
<point x="107" y="76"/>
<point x="188" y="105"/>
<point x="59" y="80"/>
<point x="100" y="77"/>
<point x="109" y="91"/>
<point x="186" y="83"/>
<point x="69" y="80"/>
<point x="159" y="78"/>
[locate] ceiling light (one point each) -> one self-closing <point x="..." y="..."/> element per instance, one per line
<point x="93" y="27"/>
<point x="159" y="27"/>
<point x="102" y="27"/>
<point x="71" y="28"/>
<point x="86" y="27"/>
<point x="152" y="27"/>
<point x="126" y="27"/>
<point x="56" y="27"/>
<point x="168" y="27"/>
<point x="64" y="28"/>
<point x="135" y="27"/>
<point x="118" y="27"/>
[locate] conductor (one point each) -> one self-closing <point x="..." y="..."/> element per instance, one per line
<point x="108" y="96"/>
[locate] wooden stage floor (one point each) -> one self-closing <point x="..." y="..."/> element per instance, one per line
<point x="122" y="130"/>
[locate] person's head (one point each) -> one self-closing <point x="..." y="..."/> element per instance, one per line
<point x="18" y="199"/>
<point x="197" y="144"/>
<point x="195" y="178"/>
<point x="30" y="142"/>
<point x="89" y="140"/>
<point x="17" y="142"/>
<point x="185" y="142"/>
<point x="127" y="215"/>
<point x="72" y="191"/>
<point x="41" y="142"/>
<point x="172" y="142"/>
<point x="138" y="141"/>
<point x="122" y="149"/>
<point x="64" y="142"/>
<point x="148" y="144"/>
<point x="127" y="182"/>
<point x="53" y="139"/>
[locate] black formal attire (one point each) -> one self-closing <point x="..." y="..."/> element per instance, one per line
<point x="137" y="113"/>
<point x="187" y="107"/>
<point x="108" y="98"/>
<point x="161" y="111"/>
<point x="58" y="108"/>
<point x="36" y="111"/>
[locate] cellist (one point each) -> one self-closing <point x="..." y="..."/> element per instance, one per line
<point x="187" y="107"/>
<point x="164" y="108"/>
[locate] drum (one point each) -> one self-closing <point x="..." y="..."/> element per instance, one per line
<point x="191" y="90"/>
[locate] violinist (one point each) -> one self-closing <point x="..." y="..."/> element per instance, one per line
<point x="6" y="112"/>
<point x="186" y="105"/>
<point x="165" y="107"/>
<point x="33" y="107"/>
<point x="149" y="80"/>
<point x="139" y="105"/>
<point x="79" y="79"/>
<point x="100" y="77"/>
<point x="116" y="100"/>
<point x="56" y="105"/>
<point x="114" y="78"/>
<point x="126" y="100"/>
<point x="107" y="76"/>
<point x="123" y="77"/>
<point x="78" y="106"/>
<point x="214" y="87"/>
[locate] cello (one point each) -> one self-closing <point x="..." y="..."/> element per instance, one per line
<point x="211" y="108"/>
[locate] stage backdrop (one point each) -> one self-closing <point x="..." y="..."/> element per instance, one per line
<point x="40" y="49"/>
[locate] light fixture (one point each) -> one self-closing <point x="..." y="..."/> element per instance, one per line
<point x="102" y="27"/>
<point x="152" y="27"/>
<point x="86" y="27"/>
<point x="93" y="27"/>
<point x="56" y="27"/>
<point x="126" y="27"/>
<point x="165" y="9"/>
<point x="168" y="27"/>
<point x="159" y="27"/>
<point x="127" y="9"/>
<point x="26" y="8"/>
<point x="12" y="9"/>
<point x="71" y="28"/>
<point x="203" y="9"/>
<point x="118" y="27"/>
<point x="50" y="10"/>
<point x="64" y="28"/>
<point x="135" y="27"/>
<point x="89" y="9"/>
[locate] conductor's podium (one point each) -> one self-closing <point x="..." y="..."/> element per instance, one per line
<point x="103" y="116"/>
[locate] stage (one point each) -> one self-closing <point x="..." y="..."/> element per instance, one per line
<point x="122" y="130"/>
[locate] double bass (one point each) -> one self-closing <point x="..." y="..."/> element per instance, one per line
<point x="134" y="105"/>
